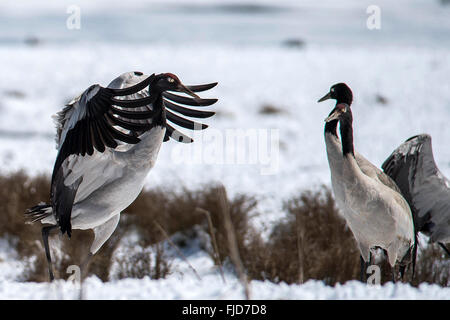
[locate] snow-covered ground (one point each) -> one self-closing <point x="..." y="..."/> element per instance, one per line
<point x="212" y="287"/>
<point x="407" y="63"/>
<point x="182" y="283"/>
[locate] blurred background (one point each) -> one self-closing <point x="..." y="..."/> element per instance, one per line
<point x="272" y="59"/>
<point x="226" y="22"/>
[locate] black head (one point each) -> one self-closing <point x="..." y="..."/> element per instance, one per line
<point x="170" y="82"/>
<point x="339" y="92"/>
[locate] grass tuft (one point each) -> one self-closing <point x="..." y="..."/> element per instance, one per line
<point x="311" y="242"/>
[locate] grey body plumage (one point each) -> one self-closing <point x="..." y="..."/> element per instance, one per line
<point x="368" y="199"/>
<point x="370" y="202"/>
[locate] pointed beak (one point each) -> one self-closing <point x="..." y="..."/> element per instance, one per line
<point x="325" y="97"/>
<point x="183" y="88"/>
<point x="334" y="115"/>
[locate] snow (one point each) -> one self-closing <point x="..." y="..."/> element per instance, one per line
<point x="264" y="22"/>
<point x="407" y="62"/>
<point x="183" y="285"/>
<point x="213" y="288"/>
<point x="11" y="267"/>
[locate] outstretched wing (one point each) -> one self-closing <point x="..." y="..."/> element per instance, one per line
<point x="427" y="191"/>
<point x="103" y="118"/>
<point x="372" y="171"/>
<point x="177" y="108"/>
<point x="174" y="102"/>
<point x="95" y="120"/>
<point x="95" y="116"/>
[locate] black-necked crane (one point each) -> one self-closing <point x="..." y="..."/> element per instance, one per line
<point x="108" y="139"/>
<point x="369" y="201"/>
<point x="426" y="189"/>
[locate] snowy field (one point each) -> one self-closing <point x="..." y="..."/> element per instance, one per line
<point x="401" y="88"/>
<point x="418" y="96"/>
<point x="212" y="287"/>
<point x="184" y="284"/>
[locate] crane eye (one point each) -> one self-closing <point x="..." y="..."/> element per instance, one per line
<point x="343" y="108"/>
<point x="171" y="80"/>
<point x="332" y="90"/>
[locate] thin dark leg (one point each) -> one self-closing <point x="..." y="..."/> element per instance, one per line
<point x="444" y="247"/>
<point x="364" y="266"/>
<point x="368" y="263"/>
<point x="393" y="274"/>
<point x="45" y="232"/>
<point x="85" y="265"/>
<point x="414" y="257"/>
<point x="363" y="269"/>
<point x="402" y="272"/>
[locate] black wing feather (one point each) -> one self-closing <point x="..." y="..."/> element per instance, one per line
<point x="137" y="103"/>
<point x="89" y="146"/>
<point x="108" y="140"/>
<point x="188" y="101"/>
<point x="119" y="135"/>
<point x="62" y="200"/>
<point x="188" y="112"/>
<point x="133" y="89"/>
<point x="133" y="126"/>
<point x="136" y="115"/>
<point x="172" y="102"/>
<point x="83" y="139"/>
<point x="96" y="141"/>
<point x="202" y="87"/>
<point x="184" y="122"/>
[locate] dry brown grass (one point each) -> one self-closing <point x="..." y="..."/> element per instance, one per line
<point x="17" y="193"/>
<point x="152" y="263"/>
<point x="433" y="265"/>
<point x="312" y="242"/>
<point x="175" y="212"/>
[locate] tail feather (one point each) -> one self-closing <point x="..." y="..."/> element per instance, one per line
<point x="39" y="212"/>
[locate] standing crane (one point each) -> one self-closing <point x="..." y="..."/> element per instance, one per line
<point x="370" y="202"/>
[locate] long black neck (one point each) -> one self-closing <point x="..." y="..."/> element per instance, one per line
<point x="159" y="118"/>
<point x="331" y="126"/>
<point x="346" y="129"/>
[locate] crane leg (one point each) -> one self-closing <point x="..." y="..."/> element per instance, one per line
<point x="363" y="267"/>
<point x="85" y="265"/>
<point x="393" y="274"/>
<point x="45" y="233"/>
<point x="444" y="248"/>
<point x="402" y="272"/>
